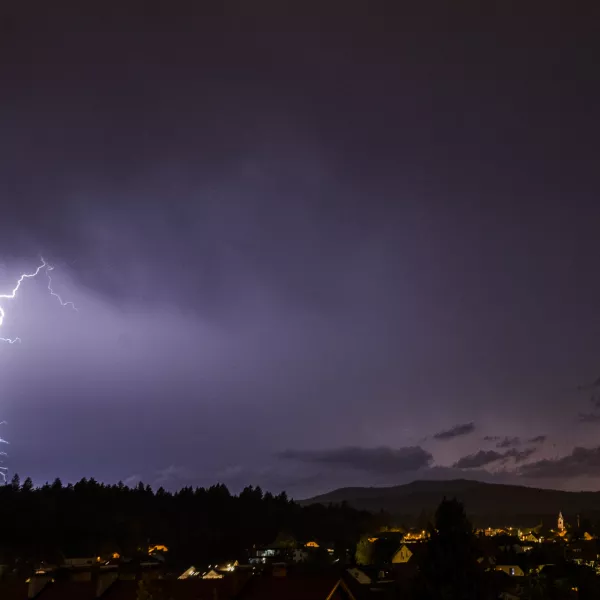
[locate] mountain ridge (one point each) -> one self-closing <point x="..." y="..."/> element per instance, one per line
<point x="487" y="503"/>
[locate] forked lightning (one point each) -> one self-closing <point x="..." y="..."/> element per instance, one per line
<point x="44" y="266"/>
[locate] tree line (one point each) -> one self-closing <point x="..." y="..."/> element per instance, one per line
<point x="198" y="525"/>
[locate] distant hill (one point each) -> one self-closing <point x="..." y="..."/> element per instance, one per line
<point x="486" y="503"/>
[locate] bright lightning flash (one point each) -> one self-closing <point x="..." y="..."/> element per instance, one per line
<point x="3" y="469"/>
<point x="44" y="266"/>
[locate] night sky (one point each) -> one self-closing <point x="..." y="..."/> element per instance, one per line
<point x="357" y="246"/>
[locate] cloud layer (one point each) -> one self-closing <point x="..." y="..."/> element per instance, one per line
<point x="483" y="458"/>
<point x="509" y="442"/>
<point x="580" y="462"/>
<point x="538" y="439"/>
<point x="454" y="432"/>
<point x="376" y="460"/>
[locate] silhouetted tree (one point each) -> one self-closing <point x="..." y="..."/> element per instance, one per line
<point x="285" y="539"/>
<point x="364" y="554"/>
<point x="449" y="568"/>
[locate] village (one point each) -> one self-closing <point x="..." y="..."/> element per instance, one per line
<point x="385" y="562"/>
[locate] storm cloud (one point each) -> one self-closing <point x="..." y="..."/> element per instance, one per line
<point x="588" y="417"/>
<point x="483" y="458"/>
<point x="580" y="462"/>
<point x="456" y="431"/>
<point x="256" y="269"/>
<point x="382" y="459"/>
<point x="538" y="439"/>
<point x="508" y="442"/>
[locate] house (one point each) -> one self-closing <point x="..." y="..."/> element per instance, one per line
<point x="68" y="590"/>
<point x="360" y="576"/>
<point x="314" y="587"/>
<point x="487" y="562"/>
<point x="268" y="554"/>
<point x="229" y="566"/>
<point x="212" y="574"/>
<point x="190" y="572"/>
<point x="108" y="587"/>
<point x="521" y="548"/>
<point x="513" y="570"/>
<point x="413" y="535"/>
<point x="81" y="562"/>
<point x="177" y="589"/>
<point x="37" y="584"/>
<point x="402" y="555"/>
<point x="13" y="590"/>
<point x="45" y="588"/>
<point x="300" y="555"/>
<point x="307" y="587"/>
<point x="583" y="553"/>
<point x="508" y="596"/>
<point x="531" y="537"/>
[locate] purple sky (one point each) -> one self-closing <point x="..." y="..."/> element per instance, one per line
<point x="307" y="251"/>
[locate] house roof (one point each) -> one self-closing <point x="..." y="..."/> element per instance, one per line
<point x="587" y="550"/>
<point x="404" y="570"/>
<point x="179" y="589"/>
<point x="418" y="549"/>
<point x="62" y="590"/>
<point x="13" y="591"/>
<point x="265" y="587"/>
<point x="68" y="590"/>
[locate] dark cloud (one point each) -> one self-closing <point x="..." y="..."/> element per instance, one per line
<point x="594" y="416"/>
<point x="508" y="442"/>
<point x="538" y="439"/>
<point x="580" y="462"/>
<point x="589" y="417"/>
<point x="591" y="386"/>
<point x="486" y="457"/>
<point x="382" y="459"/>
<point x="479" y="459"/>
<point x="456" y="431"/>
<point x="520" y="455"/>
<point x="595" y="395"/>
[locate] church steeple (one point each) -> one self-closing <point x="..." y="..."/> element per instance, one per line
<point x="561" y="522"/>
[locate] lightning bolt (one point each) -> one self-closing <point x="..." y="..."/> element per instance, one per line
<point x="3" y="469"/>
<point x="44" y="266"/>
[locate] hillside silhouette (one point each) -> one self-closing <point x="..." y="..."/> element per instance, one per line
<point x="487" y="503"/>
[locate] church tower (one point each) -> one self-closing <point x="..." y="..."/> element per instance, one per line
<point x="561" y="522"/>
